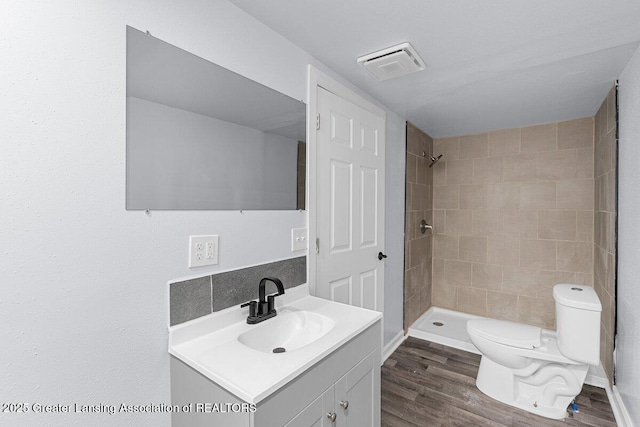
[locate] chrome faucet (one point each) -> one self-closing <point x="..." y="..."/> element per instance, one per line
<point x="263" y="309"/>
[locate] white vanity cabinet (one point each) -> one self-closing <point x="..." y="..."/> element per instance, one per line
<point x="349" y="402"/>
<point x="345" y="383"/>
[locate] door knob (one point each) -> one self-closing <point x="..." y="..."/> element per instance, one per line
<point x="381" y="256"/>
<point x="332" y="416"/>
<point x="344" y="404"/>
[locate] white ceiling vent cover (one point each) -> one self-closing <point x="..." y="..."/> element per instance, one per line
<point x="393" y="62"/>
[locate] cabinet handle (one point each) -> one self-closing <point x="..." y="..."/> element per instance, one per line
<point x="344" y="404"/>
<point x="332" y="416"/>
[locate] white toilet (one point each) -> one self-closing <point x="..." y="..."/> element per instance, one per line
<point x="537" y="370"/>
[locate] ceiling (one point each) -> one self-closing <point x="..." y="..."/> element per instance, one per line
<point x="491" y="64"/>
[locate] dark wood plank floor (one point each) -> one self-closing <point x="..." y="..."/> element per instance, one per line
<point x="428" y="384"/>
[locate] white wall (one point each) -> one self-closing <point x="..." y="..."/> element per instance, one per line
<point x="628" y="298"/>
<point x="177" y="159"/>
<point x="83" y="295"/>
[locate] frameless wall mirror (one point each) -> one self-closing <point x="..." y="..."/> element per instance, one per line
<point x="202" y="137"/>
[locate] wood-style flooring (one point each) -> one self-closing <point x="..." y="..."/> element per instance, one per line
<point x="428" y="384"/>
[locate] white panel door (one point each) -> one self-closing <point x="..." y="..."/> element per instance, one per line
<point x="350" y="203"/>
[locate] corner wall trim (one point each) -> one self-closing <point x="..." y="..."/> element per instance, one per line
<point x="623" y="419"/>
<point x="393" y="345"/>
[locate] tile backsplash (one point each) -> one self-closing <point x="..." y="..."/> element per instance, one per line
<point x="198" y="297"/>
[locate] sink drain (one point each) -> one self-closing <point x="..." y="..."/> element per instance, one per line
<point x="279" y="350"/>
<point x="438" y="324"/>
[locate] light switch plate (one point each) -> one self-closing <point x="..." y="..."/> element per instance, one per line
<point x="298" y="239"/>
<point x="203" y="250"/>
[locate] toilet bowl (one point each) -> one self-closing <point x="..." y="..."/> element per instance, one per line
<point x="538" y="370"/>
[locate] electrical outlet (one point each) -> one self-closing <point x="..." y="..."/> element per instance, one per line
<point x="298" y="239"/>
<point x="203" y="250"/>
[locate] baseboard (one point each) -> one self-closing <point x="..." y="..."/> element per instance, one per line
<point x="597" y="377"/>
<point x="393" y="345"/>
<point x="623" y="419"/>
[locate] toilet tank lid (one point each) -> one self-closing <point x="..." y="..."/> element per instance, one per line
<point x="577" y="296"/>
<point x="506" y="333"/>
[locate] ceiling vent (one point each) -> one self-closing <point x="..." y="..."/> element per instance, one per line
<point x="392" y="62"/>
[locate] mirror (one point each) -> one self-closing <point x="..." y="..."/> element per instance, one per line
<point x="202" y="137"/>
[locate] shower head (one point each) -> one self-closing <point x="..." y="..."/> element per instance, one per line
<point x="434" y="160"/>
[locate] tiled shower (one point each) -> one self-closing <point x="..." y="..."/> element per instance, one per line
<point x="514" y="212"/>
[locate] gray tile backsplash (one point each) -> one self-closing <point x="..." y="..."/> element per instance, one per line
<point x="189" y="299"/>
<point x="193" y="298"/>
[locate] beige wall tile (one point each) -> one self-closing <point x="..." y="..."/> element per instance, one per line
<point x="540" y="254"/>
<point x="520" y="167"/>
<point x="575" y="194"/>
<point x="473" y="146"/>
<point x="561" y="164"/>
<point x="412" y="174"/>
<point x="503" y="250"/>
<point x="448" y="147"/>
<point x="445" y="247"/>
<point x="575" y="256"/>
<point x="603" y="155"/>
<point x="504" y="195"/>
<point x="584" y="166"/>
<point x="537" y="312"/>
<point x="538" y="195"/>
<point x="487" y="222"/>
<point x="444" y="295"/>
<point x="597" y="120"/>
<point x="473" y="248"/>
<point x="575" y="133"/>
<point x="439" y="172"/>
<point x="457" y="273"/>
<point x="458" y="222"/>
<point x="472" y="301"/>
<point x="445" y="197"/>
<point x="502" y="306"/>
<point x="473" y="197"/>
<point x="521" y="223"/>
<point x="438" y="222"/>
<point x="610" y="189"/>
<point x="421" y="170"/>
<point x="486" y="276"/>
<point x="419" y="249"/>
<point x="437" y="268"/>
<point x="584" y="228"/>
<point x="520" y="281"/>
<point x="558" y="225"/>
<point x="459" y="172"/>
<point x="547" y="279"/>
<point x="503" y="142"/>
<point x="488" y="170"/>
<point x="584" y="279"/>
<point x="538" y="138"/>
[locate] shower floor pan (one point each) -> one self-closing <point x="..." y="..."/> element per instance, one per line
<point x="446" y="327"/>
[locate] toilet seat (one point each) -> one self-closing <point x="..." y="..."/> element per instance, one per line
<point x="506" y="333"/>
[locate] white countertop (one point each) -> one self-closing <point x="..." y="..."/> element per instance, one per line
<point x="210" y="345"/>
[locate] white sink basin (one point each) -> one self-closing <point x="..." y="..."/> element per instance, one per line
<point x="289" y="330"/>
<point x="239" y="357"/>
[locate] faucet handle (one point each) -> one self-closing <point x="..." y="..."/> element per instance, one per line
<point x="252" y="307"/>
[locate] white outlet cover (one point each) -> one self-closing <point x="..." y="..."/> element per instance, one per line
<point x="203" y="250"/>
<point x="299" y="237"/>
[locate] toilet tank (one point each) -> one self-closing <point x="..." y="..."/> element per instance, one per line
<point x="578" y="322"/>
